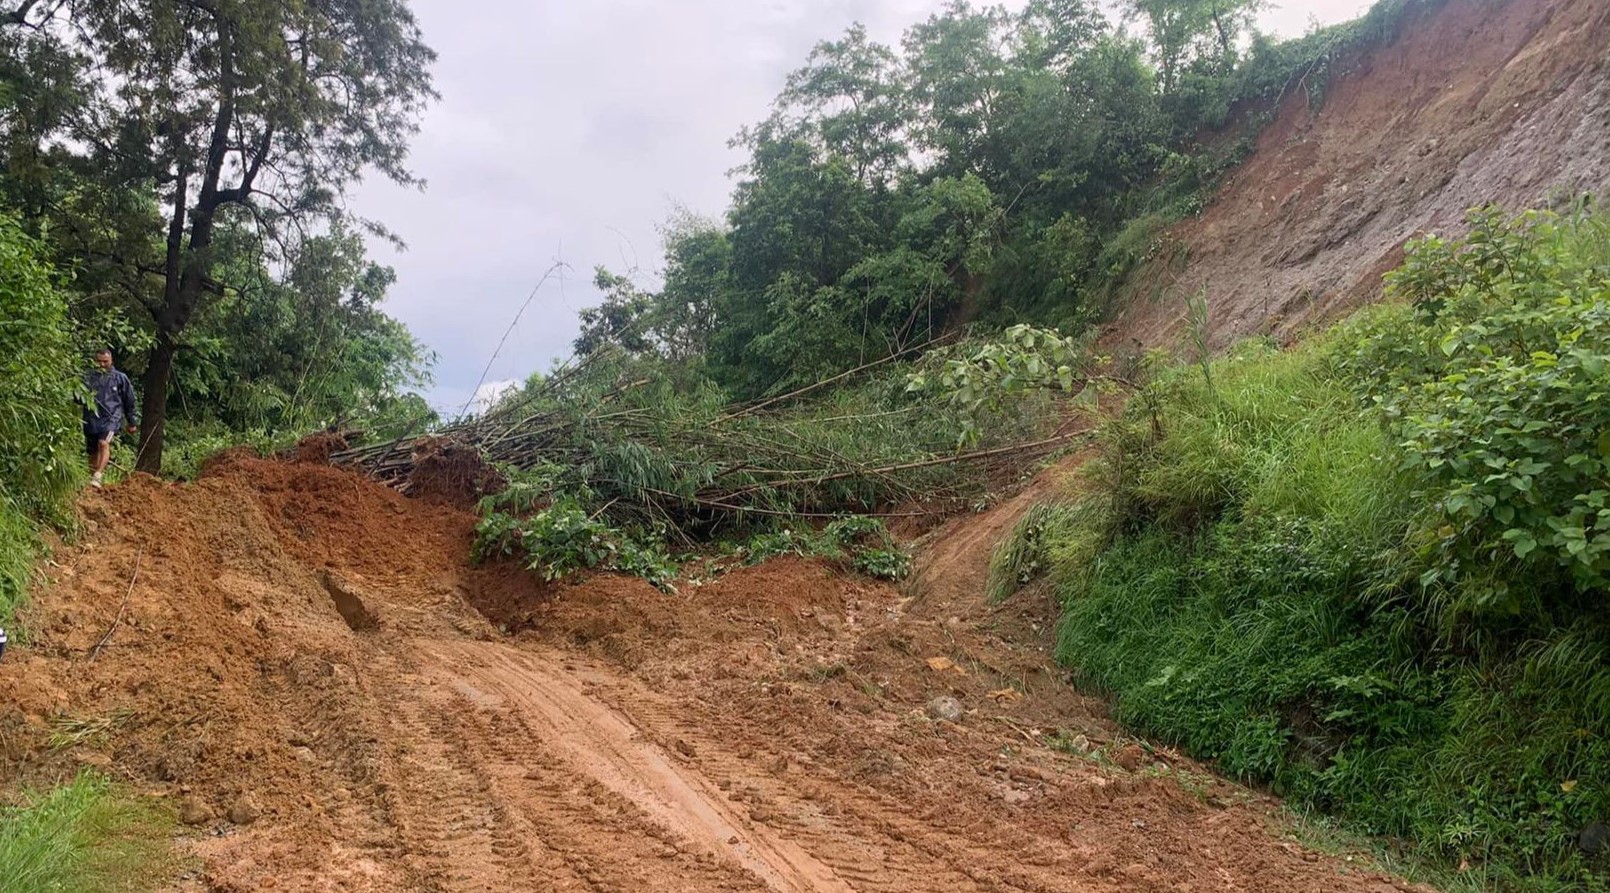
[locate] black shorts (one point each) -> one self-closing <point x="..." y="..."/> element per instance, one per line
<point x="94" y="433"/>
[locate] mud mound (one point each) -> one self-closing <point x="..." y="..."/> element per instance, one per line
<point x="319" y="447"/>
<point x="331" y="518"/>
<point x="1479" y="102"/>
<point x="226" y="671"/>
<point x="448" y="472"/>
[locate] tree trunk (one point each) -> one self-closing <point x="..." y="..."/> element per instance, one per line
<point x="154" y="403"/>
<point x="185" y="268"/>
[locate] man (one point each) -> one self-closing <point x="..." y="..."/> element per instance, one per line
<point x="114" y="407"/>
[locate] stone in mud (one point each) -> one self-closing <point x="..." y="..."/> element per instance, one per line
<point x="946" y="708"/>
<point x="194" y="812"/>
<point x="244" y="811"/>
<point x="1130" y="757"/>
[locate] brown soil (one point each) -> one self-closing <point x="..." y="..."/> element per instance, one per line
<point x="302" y="641"/>
<point x="1479" y="102"/>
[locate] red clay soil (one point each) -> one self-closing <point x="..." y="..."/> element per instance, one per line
<point x="1479" y="102"/>
<point x="293" y="656"/>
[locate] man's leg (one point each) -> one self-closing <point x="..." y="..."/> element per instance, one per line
<point x="92" y="445"/>
<point x="100" y="458"/>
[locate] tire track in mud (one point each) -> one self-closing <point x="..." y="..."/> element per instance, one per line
<point x="453" y="831"/>
<point x="598" y="743"/>
<point x="787" y="831"/>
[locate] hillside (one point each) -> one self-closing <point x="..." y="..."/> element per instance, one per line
<point x="313" y="675"/>
<point x="1475" y="103"/>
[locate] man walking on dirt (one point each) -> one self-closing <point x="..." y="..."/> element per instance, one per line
<point x="114" y="407"/>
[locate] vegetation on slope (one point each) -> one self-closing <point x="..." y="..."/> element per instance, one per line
<point x="39" y="451"/>
<point x="1371" y="570"/>
<point x="997" y="167"/>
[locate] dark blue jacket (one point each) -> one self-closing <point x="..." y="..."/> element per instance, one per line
<point x="114" y="400"/>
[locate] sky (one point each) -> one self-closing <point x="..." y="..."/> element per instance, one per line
<point x="568" y="131"/>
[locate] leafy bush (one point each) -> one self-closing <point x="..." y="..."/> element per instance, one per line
<point x="556" y="537"/>
<point x="863" y="541"/>
<point x="538" y="521"/>
<point x="39" y="440"/>
<point x="1331" y="600"/>
<point x="981" y="380"/>
<point x="1494" y="379"/>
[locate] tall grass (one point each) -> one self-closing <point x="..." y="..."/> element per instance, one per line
<point x="87" y="836"/>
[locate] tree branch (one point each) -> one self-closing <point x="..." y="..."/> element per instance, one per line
<point x="242" y="194"/>
<point x="18" y="16"/>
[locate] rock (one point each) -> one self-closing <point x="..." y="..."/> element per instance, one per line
<point x="1594" y="839"/>
<point x="1130" y="757"/>
<point x="244" y="811"/>
<point x="194" y="812"/>
<point x="946" y="708"/>
<point x="686" y="749"/>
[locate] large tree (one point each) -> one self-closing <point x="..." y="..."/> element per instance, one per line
<point x="850" y="99"/>
<point x="1187" y="32"/>
<point x="205" y="114"/>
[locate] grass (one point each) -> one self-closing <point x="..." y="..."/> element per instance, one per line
<point x="1240" y="579"/>
<point x="87" y="836"/>
<point x="69" y="731"/>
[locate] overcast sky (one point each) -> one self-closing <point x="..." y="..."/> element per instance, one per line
<point x="568" y="130"/>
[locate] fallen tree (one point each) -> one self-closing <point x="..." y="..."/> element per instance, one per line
<point x="639" y="448"/>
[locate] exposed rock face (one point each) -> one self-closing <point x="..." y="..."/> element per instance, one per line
<point x="1477" y="102"/>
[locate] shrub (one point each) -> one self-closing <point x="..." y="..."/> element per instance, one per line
<point x="1494" y="380"/>
<point x="39" y="451"/>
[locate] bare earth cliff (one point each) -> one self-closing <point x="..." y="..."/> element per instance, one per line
<point x="1478" y="102"/>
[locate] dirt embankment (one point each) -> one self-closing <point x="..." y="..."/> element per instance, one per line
<point x="296" y="659"/>
<point x="1478" y="102"/>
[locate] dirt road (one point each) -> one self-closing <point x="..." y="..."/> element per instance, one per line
<point x="308" y="665"/>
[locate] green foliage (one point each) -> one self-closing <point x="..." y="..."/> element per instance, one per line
<point x="979" y="381"/>
<point x="282" y="356"/>
<point x="1494" y="380"/>
<point x="88" y="836"/>
<point x="40" y="446"/>
<point x="1275" y="580"/>
<point x="561" y="538"/>
<point x="40" y="376"/>
<point x="862" y="541"/>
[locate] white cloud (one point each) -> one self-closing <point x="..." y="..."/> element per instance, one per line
<point x="488" y="394"/>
